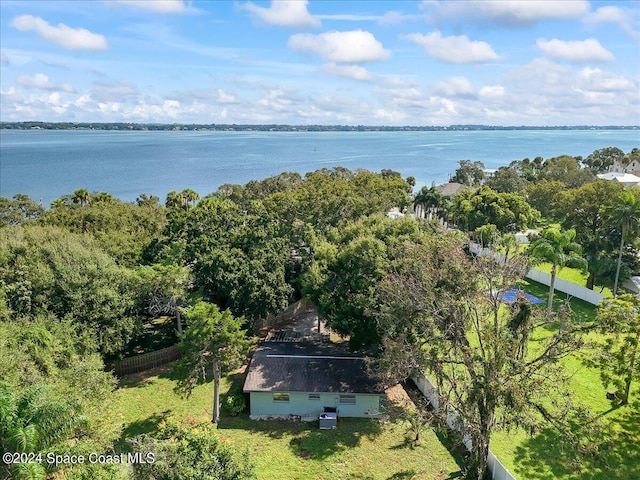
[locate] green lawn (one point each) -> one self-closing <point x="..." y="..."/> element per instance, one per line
<point x="366" y="449"/>
<point x="540" y="458"/>
<point x="357" y="449"/>
<point x="573" y="275"/>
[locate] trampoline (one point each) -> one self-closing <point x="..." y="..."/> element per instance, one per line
<point x="510" y="296"/>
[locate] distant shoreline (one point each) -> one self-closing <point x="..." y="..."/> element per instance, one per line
<point x="37" y="125"/>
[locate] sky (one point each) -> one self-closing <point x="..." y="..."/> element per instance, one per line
<point x="423" y="63"/>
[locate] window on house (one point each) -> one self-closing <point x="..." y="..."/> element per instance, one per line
<point x="347" y="399"/>
<point x="314" y="396"/>
<point x="280" y="397"/>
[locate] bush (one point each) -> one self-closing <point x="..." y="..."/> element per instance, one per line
<point x="234" y="403"/>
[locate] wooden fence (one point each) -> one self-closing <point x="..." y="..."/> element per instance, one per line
<point x="291" y="312"/>
<point x="146" y="361"/>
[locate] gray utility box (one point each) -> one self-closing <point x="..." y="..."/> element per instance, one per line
<point x="328" y="418"/>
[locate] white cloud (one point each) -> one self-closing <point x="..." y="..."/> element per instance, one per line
<point x="550" y="93"/>
<point x="224" y="97"/>
<point x="507" y="12"/>
<point x="454" y="49"/>
<point x="284" y="13"/>
<point x="158" y="6"/>
<point x="597" y="80"/>
<point x="61" y="35"/>
<point x="492" y="91"/>
<point x="355" y="46"/>
<point x="391" y="117"/>
<point x="623" y="17"/>
<point x="40" y="81"/>
<point x="395" y="18"/>
<point x="456" y="87"/>
<point x="355" y="72"/>
<point x="583" y="51"/>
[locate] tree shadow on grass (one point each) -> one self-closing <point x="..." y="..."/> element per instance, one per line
<point x="403" y="475"/>
<point x="450" y="440"/>
<point x="145" y="378"/>
<point x="140" y="427"/>
<point x="306" y="439"/>
<point x="618" y="459"/>
<point x="318" y="444"/>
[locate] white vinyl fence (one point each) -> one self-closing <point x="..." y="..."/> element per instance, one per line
<point x="564" y="286"/>
<point x="498" y="471"/>
<point x="572" y="289"/>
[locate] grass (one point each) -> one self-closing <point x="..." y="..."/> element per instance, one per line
<point x="366" y="449"/>
<point x="573" y="275"/>
<point x="357" y="449"/>
<point x="541" y="457"/>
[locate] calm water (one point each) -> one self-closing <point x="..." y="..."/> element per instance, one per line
<point x="46" y="164"/>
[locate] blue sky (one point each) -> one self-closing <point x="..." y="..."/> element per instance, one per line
<point x="514" y="62"/>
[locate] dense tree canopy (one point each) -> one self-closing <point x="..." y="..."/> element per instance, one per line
<point x="82" y="281"/>
<point x="600" y="160"/>
<point x="347" y="268"/>
<point x="468" y="173"/>
<point x="47" y="269"/>
<point x="580" y="209"/>
<point x="509" y="212"/>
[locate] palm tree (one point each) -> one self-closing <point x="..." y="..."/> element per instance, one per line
<point x="624" y="212"/>
<point x="81" y="196"/>
<point x="103" y="197"/>
<point x="174" y="200"/>
<point x="189" y="196"/>
<point x="558" y="248"/>
<point x="33" y="421"/>
<point x="429" y="199"/>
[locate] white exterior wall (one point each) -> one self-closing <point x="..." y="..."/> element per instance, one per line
<point x="262" y="404"/>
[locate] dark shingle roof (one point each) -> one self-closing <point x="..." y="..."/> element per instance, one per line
<point x="308" y="367"/>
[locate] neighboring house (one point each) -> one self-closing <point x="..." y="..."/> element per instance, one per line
<point x="395" y="213"/>
<point x="632" y="285"/>
<point x="632" y="167"/>
<point x="451" y="188"/>
<point x="302" y="378"/>
<point x="627" y="179"/>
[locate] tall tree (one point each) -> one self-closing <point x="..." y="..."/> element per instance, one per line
<point x="624" y="212"/>
<point x="81" y="196"/>
<point x="506" y="180"/>
<point x="21" y="209"/>
<point x="213" y="342"/>
<point x="347" y="267"/>
<point x="440" y="312"/>
<point x="600" y="160"/>
<point x="618" y="356"/>
<point x="581" y="209"/>
<point x="566" y="169"/>
<point x="469" y="173"/>
<point x="49" y="270"/>
<point x="190" y="197"/>
<point x="509" y="212"/>
<point x="558" y="248"/>
<point x="428" y="199"/>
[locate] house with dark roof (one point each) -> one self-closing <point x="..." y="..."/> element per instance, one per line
<point x="306" y="378"/>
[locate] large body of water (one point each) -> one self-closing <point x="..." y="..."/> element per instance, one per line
<point x="46" y="164"/>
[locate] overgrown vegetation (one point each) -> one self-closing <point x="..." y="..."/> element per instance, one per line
<point x="93" y="279"/>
